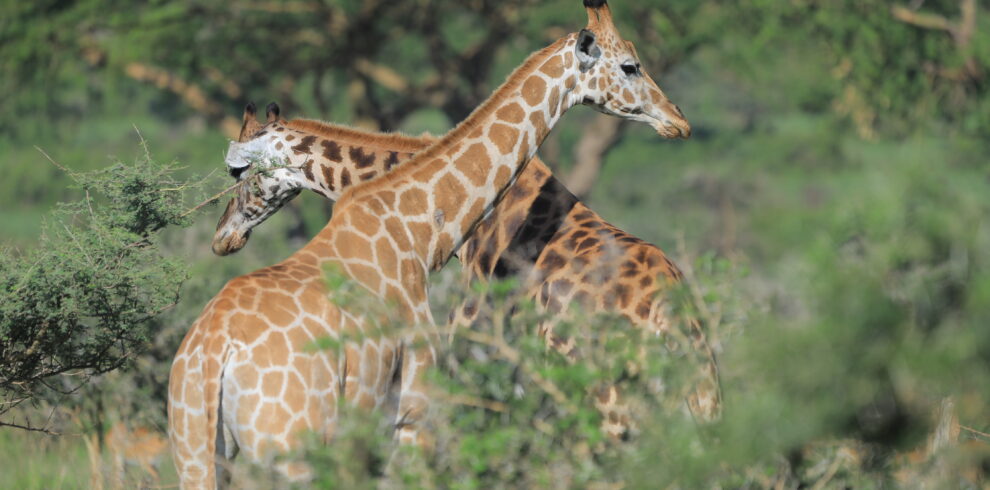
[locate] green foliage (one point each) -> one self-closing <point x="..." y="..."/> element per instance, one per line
<point x="510" y="411"/>
<point x="865" y="296"/>
<point x="886" y="68"/>
<point x="81" y="300"/>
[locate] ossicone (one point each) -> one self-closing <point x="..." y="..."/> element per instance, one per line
<point x="593" y="4"/>
<point x="250" y="122"/>
<point x="272" y="112"/>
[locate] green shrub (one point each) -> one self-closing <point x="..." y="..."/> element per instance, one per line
<point x="80" y="302"/>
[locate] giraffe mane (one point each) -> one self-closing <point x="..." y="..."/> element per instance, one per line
<point x="391" y="141"/>
<point x="512" y="82"/>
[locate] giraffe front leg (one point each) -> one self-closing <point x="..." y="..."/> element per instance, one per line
<point x="617" y="423"/>
<point x="411" y="420"/>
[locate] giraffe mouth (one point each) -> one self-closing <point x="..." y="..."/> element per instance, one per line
<point x="229" y="242"/>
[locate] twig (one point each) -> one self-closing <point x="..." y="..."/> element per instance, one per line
<point x="144" y="144"/>
<point x="926" y="21"/>
<point x="13" y="402"/>
<point x="473" y="401"/>
<point x="60" y="167"/>
<point x="29" y="428"/>
<point x="212" y="199"/>
<point x="384" y="75"/>
<point x="832" y="469"/>
<point x="970" y="429"/>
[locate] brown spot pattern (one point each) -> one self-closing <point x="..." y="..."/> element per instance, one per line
<point x="554" y="67"/>
<point x="477" y="209"/>
<point x="304" y="145"/>
<point x="554" y="101"/>
<point x="502" y="177"/>
<point x="512" y="113"/>
<point x="504" y="137"/>
<point x="308" y="170"/>
<point x="539" y="121"/>
<point x="331" y="150"/>
<point x="475" y="164"/>
<point x="328" y="176"/>
<point x="412" y="202"/>
<point x="360" y="158"/>
<point x="449" y="195"/>
<point x="392" y="160"/>
<point x="398" y="233"/>
<point x="533" y="90"/>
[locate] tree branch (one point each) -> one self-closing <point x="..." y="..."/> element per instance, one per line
<point x="925" y="21"/>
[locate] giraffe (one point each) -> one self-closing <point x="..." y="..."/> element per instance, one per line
<point x="539" y="231"/>
<point x="243" y="379"/>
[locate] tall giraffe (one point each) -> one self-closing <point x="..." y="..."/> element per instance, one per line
<point x="539" y="232"/>
<point x="243" y="379"/>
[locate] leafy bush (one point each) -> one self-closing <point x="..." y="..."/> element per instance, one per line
<point x="80" y="302"/>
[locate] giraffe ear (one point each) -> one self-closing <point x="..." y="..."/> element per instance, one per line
<point x="587" y="50"/>
<point x="272" y="112"/>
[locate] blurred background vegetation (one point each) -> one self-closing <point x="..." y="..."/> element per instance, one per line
<point x="832" y="205"/>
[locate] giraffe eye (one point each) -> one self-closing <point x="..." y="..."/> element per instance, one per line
<point x="630" y="69"/>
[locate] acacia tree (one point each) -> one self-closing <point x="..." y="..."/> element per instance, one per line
<point x="80" y="303"/>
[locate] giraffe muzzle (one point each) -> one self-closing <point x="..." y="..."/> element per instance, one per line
<point x="676" y="129"/>
<point x="229" y="242"/>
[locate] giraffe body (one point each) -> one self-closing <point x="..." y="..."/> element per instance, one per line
<point x="251" y="355"/>
<point x="386" y="234"/>
<point x="565" y="253"/>
<point x="568" y="256"/>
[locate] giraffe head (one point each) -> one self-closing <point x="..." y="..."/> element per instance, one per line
<point x="612" y="80"/>
<point x="262" y="192"/>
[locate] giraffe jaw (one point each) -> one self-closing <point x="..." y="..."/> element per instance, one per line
<point x="673" y="126"/>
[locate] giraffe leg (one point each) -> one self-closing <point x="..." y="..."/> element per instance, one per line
<point x="704" y="400"/>
<point x="616" y="421"/>
<point x="226" y="449"/>
<point x="417" y="358"/>
<point x="194" y="413"/>
<point x="186" y="422"/>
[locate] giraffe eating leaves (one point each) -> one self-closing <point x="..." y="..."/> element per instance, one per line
<point x="243" y="379"/>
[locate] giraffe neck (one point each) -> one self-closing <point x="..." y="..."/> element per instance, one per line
<point x="328" y="159"/>
<point x="505" y="243"/>
<point x="466" y="172"/>
<point x="509" y="240"/>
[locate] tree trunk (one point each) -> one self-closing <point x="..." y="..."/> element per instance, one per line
<point x="597" y="138"/>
